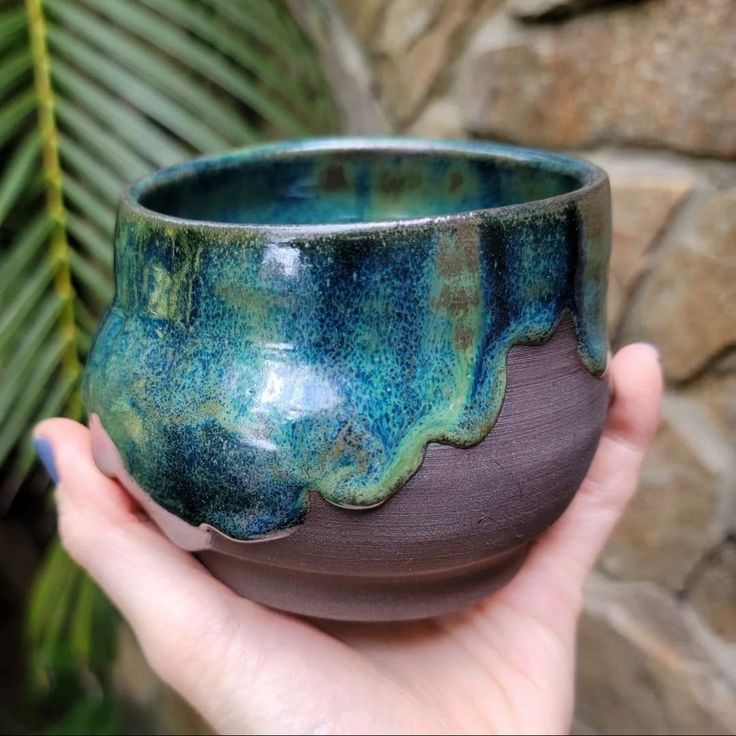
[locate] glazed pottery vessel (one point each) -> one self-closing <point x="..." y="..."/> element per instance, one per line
<point x="357" y="377"/>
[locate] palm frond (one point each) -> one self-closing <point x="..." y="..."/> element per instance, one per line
<point x="118" y="89"/>
<point x="96" y="94"/>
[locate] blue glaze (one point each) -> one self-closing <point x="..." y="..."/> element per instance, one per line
<point x="346" y="302"/>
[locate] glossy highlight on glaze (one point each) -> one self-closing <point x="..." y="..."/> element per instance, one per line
<point x="308" y="316"/>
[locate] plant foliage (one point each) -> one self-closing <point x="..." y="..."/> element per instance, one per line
<point x="96" y="93"/>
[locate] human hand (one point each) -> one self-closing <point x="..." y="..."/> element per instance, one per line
<point x="504" y="665"/>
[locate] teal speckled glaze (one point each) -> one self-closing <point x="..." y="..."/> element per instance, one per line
<point x="307" y="316"/>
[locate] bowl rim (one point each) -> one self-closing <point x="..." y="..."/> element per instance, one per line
<point x="592" y="178"/>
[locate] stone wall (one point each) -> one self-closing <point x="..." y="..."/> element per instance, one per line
<point x="648" y="90"/>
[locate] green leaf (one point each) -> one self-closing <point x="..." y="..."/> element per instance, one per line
<point x="92" y="240"/>
<point x="89" y="169"/>
<point x="86" y="320"/>
<point x="158" y="69"/>
<point x="124" y="122"/>
<point x="37" y="380"/>
<point x="56" y="398"/>
<point x="84" y="342"/>
<point x="24" y="252"/>
<point x="138" y="92"/>
<point x="23" y="305"/>
<point x="254" y="18"/>
<point x="189" y="51"/>
<point x="13" y="68"/>
<point x="97" y="281"/>
<point x="80" y="639"/>
<point x="24" y="355"/>
<point x="18" y="173"/>
<point x="12" y="22"/>
<point x="53" y="577"/>
<point x="15" y="113"/>
<point x="88" y="205"/>
<point x="197" y="19"/>
<point x="115" y="153"/>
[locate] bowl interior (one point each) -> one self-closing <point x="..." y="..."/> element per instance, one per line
<point x="291" y="186"/>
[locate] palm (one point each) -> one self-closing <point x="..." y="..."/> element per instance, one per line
<point x="504" y="665"/>
<point x="486" y="669"/>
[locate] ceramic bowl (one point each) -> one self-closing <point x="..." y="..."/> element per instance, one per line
<point x="357" y="377"/>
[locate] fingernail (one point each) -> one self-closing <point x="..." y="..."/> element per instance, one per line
<point x="45" y="451"/>
<point x="655" y="350"/>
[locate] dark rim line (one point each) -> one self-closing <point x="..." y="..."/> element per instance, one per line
<point x="590" y="176"/>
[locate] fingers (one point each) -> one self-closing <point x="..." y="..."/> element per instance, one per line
<point x="235" y="661"/>
<point x="165" y="594"/>
<point x="570" y="548"/>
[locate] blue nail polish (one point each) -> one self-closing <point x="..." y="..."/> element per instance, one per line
<point x="45" y="452"/>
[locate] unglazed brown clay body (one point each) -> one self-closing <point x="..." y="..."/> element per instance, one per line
<point x="369" y="409"/>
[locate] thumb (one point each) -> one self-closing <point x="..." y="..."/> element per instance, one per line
<point x="159" y="588"/>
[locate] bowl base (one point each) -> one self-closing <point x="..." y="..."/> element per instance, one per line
<point x="346" y="598"/>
